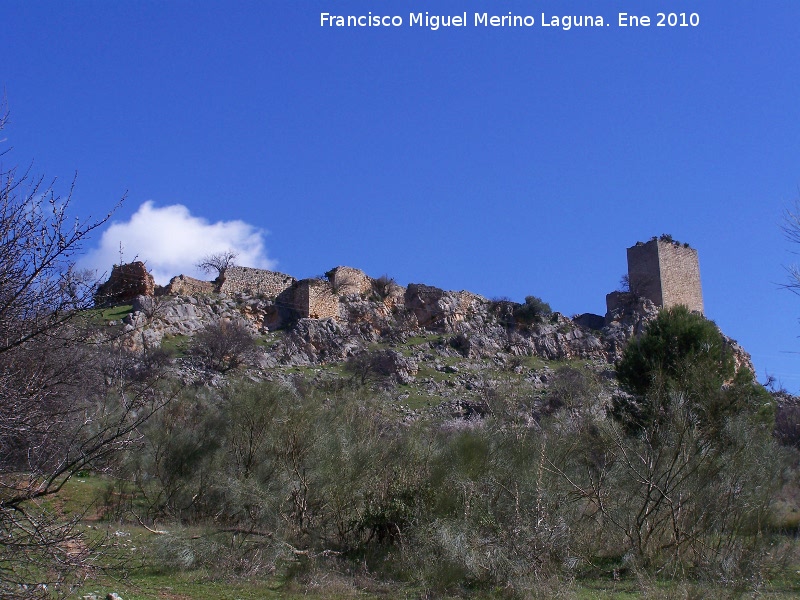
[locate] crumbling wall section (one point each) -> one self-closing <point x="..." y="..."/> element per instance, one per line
<point x="183" y="285"/>
<point x="248" y="280"/>
<point x="125" y="283"/>
<point x="347" y="280"/>
<point x="438" y="309"/>
<point x="314" y="298"/>
<point x="308" y="298"/>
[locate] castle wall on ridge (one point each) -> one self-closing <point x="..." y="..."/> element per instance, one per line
<point x="248" y="280"/>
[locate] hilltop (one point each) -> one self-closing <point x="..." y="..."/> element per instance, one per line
<point x="430" y="346"/>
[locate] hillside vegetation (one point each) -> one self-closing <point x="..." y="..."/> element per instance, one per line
<point x="497" y="453"/>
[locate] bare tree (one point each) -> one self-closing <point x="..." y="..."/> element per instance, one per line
<point x="224" y="345"/>
<point x="64" y="405"/>
<point x="791" y="229"/>
<point x="219" y="262"/>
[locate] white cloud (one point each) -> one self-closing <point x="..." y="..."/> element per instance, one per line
<point x="171" y="241"/>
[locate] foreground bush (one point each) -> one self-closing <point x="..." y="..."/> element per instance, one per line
<point x="299" y="477"/>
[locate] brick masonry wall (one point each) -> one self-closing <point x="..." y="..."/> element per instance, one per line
<point x="314" y="298"/>
<point x="322" y="303"/>
<point x="255" y="281"/>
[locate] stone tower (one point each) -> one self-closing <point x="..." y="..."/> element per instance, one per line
<point x="666" y="272"/>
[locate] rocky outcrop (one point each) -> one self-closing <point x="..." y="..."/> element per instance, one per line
<point x="320" y="325"/>
<point x="628" y="319"/>
<point x="391" y="363"/>
<point x="125" y="283"/>
<point x="741" y="357"/>
<point x="384" y="365"/>
<point x="313" y="341"/>
<point x="154" y="318"/>
<point x="437" y="309"/>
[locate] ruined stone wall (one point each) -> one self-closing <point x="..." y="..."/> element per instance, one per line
<point x="314" y="298"/>
<point x="680" y="276"/>
<point x="666" y="273"/>
<point x="255" y="281"/>
<point x="183" y="285"/>
<point x="347" y="280"/>
<point x="125" y="283"/>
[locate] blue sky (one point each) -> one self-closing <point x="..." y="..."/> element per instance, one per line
<point x="507" y="161"/>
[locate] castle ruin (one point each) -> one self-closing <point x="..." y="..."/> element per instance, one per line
<point x="665" y="272"/>
<point x="126" y="282"/>
<point x="661" y="271"/>
<point x="314" y="299"/>
<point x="248" y="280"/>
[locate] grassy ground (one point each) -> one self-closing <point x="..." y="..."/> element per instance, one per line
<point x="101" y="316"/>
<point x="177" y="586"/>
<point x="199" y="586"/>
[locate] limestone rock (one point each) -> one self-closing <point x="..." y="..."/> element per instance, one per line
<point x="394" y="364"/>
<point x="437" y="309"/>
<point x="627" y="319"/>
<point x="315" y="340"/>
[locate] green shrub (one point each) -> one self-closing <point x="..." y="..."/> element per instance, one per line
<point x="682" y="353"/>
<point x="535" y="310"/>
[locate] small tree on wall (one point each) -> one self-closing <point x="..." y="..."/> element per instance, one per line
<point x="218" y="263"/>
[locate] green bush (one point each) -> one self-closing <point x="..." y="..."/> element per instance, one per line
<point x="311" y="478"/>
<point x="693" y="464"/>
<point x="679" y="353"/>
<point x="535" y="310"/>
